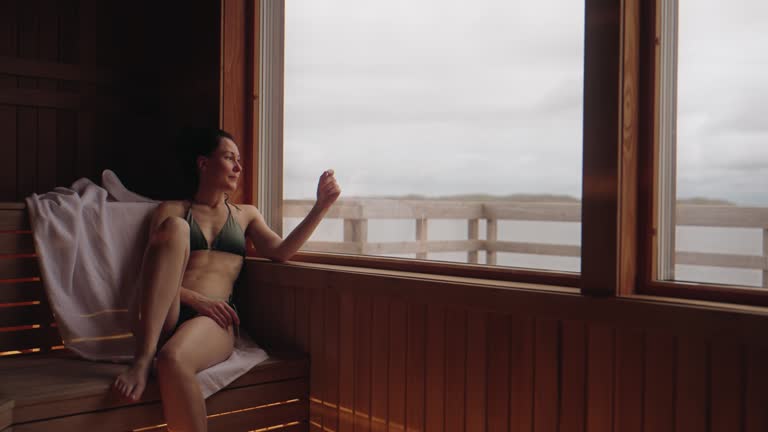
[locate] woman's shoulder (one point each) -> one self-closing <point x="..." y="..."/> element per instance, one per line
<point x="245" y="209"/>
<point x="172" y="208"/>
<point x="248" y="212"/>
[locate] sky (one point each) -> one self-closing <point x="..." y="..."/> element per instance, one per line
<point x="441" y="97"/>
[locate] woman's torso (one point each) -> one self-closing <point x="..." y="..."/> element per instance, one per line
<point x="211" y="272"/>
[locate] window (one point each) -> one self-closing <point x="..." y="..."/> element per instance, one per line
<point x="713" y="159"/>
<point x="639" y="153"/>
<point x="454" y="128"/>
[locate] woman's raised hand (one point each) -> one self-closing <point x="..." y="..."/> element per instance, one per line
<point x="218" y="310"/>
<point x="327" y="189"/>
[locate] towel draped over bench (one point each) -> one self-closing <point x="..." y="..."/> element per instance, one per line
<point x="90" y="243"/>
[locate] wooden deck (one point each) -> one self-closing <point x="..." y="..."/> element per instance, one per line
<point x="356" y="213"/>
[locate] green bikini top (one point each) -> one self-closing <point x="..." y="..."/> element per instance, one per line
<point x="230" y="239"/>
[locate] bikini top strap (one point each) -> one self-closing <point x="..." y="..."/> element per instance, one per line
<point x="189" y="211"/>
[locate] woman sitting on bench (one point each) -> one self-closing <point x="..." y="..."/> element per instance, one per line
<point x="194" y="256"/>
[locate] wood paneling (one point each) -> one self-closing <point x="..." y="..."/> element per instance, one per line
<point x="385" y="358"/>
<point x="497" y="390"/>
<point x="547" y="375"/>
<point x="629" y="380"/>
<point x="522" y="369"/>
<point x="363" y="344"/>
<point x="89" y="85"/>
<point x="415" y="368"/>
<point x="346" y="363"/>
<point x="21" y="292"/>
<point x="331" y="370"/>
<point x="379" y="365"/>
<point x="727" y="374"/>
<point x="601" y="374"/>
<point x="19" y="268"/>
<point x="574" y="376"/>
<point x="757" y="391"/>
<point x="455" y="369"/>
<point x="435" y="354"/>
<point x="396" y="374"/>
<point x="659" y="391"/>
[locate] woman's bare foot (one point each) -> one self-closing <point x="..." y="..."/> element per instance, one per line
<point x="131" y="383"/>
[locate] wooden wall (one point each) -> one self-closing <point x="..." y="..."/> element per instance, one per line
<point x="87" y="85"/>
<point x="403" y="353"/>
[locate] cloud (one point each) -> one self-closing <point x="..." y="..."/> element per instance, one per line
<point x="400" y="96"/>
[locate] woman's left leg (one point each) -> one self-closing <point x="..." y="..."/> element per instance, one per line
<point x="198" y="344"/>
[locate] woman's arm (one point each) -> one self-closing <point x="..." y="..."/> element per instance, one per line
<point x="270" y="245"/>
<point x="218" y="310"/>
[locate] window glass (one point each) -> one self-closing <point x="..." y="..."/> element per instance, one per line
<point x="721" y="142"/>
<point x="445" y="122"/>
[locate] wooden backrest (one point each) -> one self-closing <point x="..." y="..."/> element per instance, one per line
<point x="26" y="322"/>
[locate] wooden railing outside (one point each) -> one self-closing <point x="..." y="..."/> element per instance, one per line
<point x="357" y="212"/>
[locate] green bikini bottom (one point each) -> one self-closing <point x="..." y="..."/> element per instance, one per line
<point x="186" y="312"/>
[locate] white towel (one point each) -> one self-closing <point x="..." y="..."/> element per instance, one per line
<point x="90" y="242"/>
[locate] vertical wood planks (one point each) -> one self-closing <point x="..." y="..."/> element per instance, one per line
<point x="692" y="384"/>
<point x="332" y="322"/>
<point x="521" y="371"/>
<point x="87" y="52"/>
<point x="49" y="51"/>
<point x="756" y="409"/>
<point x="303" y="322"/>
<point x="27" y="127"/>
<point x="8" y="162"/>
<point x="66" y="121"/>
<point x="727" y="387"/>
<point x="455" y="369"/>
<point x="26" y="151"/>
<point x="398" y="316"/>
<point x="629" y="380"/>
<point x="66" y="146"/>
<point x="415" y="367"/>
<point x="8" y="46"/>
<point x="382" y="363"/>
<point x="287" y="331"/>
<point x="317" y="376"/>
<point x="660" y="367"/>
<point x="379" y="364"/>
<point x="600" y="374"/>
<point x="547" y="375"/>
<point x="435" y="373"/>
<point x="574" y="373"/>
<point x="476" y="401"/>
<point x="363" y="345"/>
<point x="346" y="363"/>
<point x="497" y="393"/>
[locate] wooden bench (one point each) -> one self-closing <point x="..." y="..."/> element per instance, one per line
<point x="44" y="387"/>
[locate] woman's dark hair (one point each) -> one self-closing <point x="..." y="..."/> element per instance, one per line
<point x="194" y="142"/>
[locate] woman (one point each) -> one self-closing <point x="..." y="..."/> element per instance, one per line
<point x="194" y="256"/>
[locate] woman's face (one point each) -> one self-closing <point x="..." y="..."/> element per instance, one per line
<point x="222" y="168"/>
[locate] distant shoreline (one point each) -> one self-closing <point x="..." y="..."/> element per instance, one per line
<point x="523" y="198"/>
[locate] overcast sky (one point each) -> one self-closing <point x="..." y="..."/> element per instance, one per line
<point x="441" y="97"/>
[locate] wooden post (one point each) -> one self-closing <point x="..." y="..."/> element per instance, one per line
<point x="473" y="233"/>
<point x="491" y="232"/>
<point x="356" y="230"/>
<point x="765" y="257"/>
<point x="421" y="238"/>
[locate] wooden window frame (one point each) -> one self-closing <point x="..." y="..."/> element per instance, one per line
<point x="619" y="195"/>
<point x="649" y="229"/>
